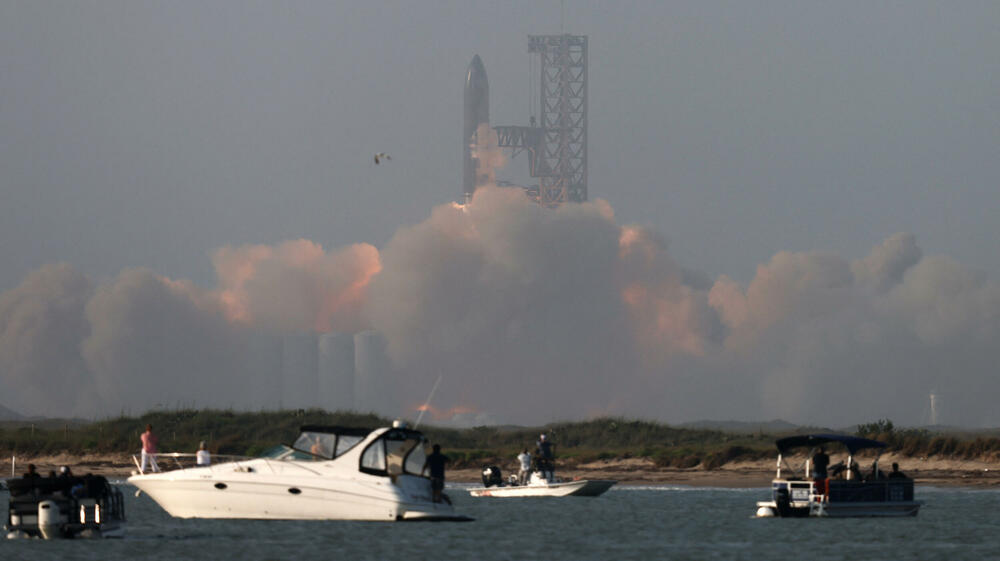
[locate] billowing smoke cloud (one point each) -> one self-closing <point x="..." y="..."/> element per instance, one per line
<point x="296" y="285"/>
<point x="41" y="325"/>
<point x="527" y="314"/>
<point x="155" y="343"/>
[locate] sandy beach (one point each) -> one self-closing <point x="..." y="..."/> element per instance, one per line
<point x="631" y="471"/>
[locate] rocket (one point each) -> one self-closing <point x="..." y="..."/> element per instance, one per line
<point x="477" y="114"/>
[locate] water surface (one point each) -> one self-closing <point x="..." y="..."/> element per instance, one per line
<point x="643" y="523"/>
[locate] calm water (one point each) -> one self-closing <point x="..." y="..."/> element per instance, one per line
<point x="626" y="523"/>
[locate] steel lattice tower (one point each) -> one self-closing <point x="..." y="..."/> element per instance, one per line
<point x="558" y="143"/>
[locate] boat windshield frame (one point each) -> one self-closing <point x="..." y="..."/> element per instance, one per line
<point x="329" y="442"/>
<point x="395" y="464"/>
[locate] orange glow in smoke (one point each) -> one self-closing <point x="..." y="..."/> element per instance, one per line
<point x="444" y="414"/>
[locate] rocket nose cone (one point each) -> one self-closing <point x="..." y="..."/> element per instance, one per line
<point x="475" y="77"/>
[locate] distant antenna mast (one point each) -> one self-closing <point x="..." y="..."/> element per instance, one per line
<point x="934" y="414"/>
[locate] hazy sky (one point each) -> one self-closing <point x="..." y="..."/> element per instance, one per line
<point x="137" y="134"/>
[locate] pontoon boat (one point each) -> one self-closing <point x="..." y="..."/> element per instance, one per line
<point x="802" y="494"/>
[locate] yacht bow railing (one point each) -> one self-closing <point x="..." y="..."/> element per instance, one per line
<point x="181" y="460"/>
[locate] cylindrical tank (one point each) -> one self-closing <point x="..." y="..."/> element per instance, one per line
<point x="49" y="519"/>
<point x="336" y="371"/>
<point x="261" y="371"/>
<point x="372" y="374"/>
<point x="299" y="373"/>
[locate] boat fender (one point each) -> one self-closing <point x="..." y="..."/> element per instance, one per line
<point x="18" y="535"/>
<point x="48" y="519"/>
<point x="765" y="512"/>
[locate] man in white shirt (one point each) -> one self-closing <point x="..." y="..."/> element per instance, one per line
<point x="202" y="457"/>
<point x="525" y="459"/>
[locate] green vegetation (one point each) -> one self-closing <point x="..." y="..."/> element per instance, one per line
<point x="923" y="443"/>
<point x="241" y="433"/>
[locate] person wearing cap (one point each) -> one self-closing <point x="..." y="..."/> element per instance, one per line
<point x="202" y="456"/>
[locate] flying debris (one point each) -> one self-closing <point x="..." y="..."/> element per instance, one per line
<point x="381" y="156"/>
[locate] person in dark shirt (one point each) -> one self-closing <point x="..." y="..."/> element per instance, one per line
<point x="895" y="473"/>
<point x="32" y="472"/>
<point x="545" y="455"/>
<point x="435" y="465"/>
<point x="876" y="472"/>
<point x="820" y="463"/>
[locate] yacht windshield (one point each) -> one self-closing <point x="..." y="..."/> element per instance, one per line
<point x="286" y="452"/>
<point x="317" y="443"/>
<point x="396" y="452"/>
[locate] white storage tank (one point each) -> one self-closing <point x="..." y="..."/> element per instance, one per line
<point x="299" y="371"/>
<point x="373" y="375"/>
<point x="259" y="385"/>
<point x="336" y="371"/>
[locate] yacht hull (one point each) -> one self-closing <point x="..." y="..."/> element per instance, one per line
<point x="253" y="493"/>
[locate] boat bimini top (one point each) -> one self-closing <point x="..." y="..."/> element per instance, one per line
<point x="852" y="443"/>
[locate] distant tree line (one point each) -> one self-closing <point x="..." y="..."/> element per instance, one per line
<point x="252" y="433"/>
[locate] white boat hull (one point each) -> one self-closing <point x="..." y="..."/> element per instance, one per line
<point x="580" y="488"/>
<point x="767" y="509"/>
<point x="276" y="490"/>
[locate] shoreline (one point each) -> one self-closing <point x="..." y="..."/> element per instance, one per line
<point x="973" y="474"/>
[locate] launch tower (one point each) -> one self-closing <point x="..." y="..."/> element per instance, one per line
<point x="557" y="142"/>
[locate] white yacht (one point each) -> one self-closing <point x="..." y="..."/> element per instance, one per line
<point x="329" y="473"/>
<point x="538" y="486"/>
<point x="844" y="492"/>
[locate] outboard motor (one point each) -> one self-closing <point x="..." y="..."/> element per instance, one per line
<point x="783" y="502"/>
<point x="49" y="519"/>
<point x="492" y="476"/>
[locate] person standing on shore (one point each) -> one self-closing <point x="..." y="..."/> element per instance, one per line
<point x="148" y="450"/>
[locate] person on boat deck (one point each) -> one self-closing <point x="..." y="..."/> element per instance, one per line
<point x="435" y="465"/>
<point x="820" y="463"/>
<point x="202" y="457"/>
<point x="31" y="473"/>
<point x="545" y="457"/>
<point x="855" y="471"/>
<point x="876" y="473"/>
<point x="895" y="473"/>
<point x="148" y="450"/>
<point x="525" y="459"/>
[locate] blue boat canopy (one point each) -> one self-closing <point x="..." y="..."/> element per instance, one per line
<point x="853" y="443"/>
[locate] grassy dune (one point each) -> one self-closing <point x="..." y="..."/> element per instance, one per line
<point x="244" y="433"/>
